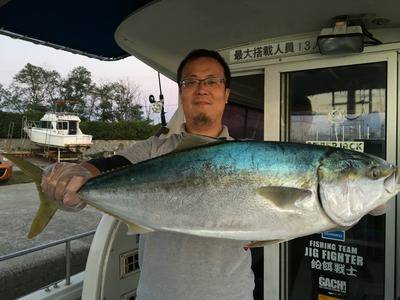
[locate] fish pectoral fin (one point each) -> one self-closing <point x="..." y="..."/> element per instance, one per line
<point x="256" y="244"/>
<point x="283" y="197"/>
<point x="137" y="229"/>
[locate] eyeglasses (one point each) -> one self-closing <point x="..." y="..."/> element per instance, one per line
<point x="211" y="82"/>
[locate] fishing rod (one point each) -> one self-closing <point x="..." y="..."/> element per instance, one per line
<point x="158" y="106"/>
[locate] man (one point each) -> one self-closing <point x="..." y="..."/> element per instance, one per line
<point x="175" y="266"/>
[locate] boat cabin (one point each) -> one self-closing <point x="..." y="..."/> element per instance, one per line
<point x="64" y="123"/>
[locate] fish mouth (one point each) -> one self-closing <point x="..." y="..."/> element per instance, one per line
<point x="391" y="183"/>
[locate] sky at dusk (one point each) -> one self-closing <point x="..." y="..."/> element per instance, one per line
<point x="15" y="54"/>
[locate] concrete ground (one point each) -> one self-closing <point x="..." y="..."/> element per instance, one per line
<point x="22" y="275"/>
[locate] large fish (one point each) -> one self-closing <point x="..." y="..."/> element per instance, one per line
<point x="243" y="190"/>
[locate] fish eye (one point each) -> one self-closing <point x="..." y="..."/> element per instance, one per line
<point x="374" y="172"/>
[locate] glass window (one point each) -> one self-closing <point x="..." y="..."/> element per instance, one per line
<point x="339" y="104"/>
<point x="62" y="125"/>
<point x="46" y="124"/>
<point x="244" y="113"/>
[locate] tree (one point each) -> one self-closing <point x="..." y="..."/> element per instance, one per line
<point x="3" y="96"/>
<point x="10" y="99"/>
<point x="126" y="100"/>
<point x="91" y="105"/>
<point x="78" y="87"/>
<point x="119" y="101"/>
<point x="35" y="88"/>
<point x="103" y="110"/>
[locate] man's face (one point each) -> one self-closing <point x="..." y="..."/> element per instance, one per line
<point x="202" y="103"/>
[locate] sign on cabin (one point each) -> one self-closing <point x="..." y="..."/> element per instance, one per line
<point x="273" y="50"/>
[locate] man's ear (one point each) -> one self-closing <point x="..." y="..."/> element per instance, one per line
<point x="227" y="92"/>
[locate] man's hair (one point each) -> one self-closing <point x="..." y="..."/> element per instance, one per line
<point x="199" y="53"/>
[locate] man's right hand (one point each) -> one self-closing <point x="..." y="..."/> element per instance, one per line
<point x="61" y="181"/>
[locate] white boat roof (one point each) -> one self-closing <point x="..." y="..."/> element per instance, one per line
<point x="60" y="116"/>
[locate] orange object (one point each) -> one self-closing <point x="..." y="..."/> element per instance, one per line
<point x="325" y="297"/>
<point x="5" y="169"/>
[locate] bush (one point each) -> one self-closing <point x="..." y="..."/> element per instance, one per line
<point x="126" y="130"/>
<point x="7" y="118"/>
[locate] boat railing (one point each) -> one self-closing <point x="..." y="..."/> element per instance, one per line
<point x="29" y="124"/>
<point x="67" y="242"/>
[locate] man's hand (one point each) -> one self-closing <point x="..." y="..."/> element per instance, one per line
<point x="61" y="181"/>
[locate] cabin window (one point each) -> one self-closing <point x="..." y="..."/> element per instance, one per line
<point x="343" y="104"/>
<point x="129" y="296"/>
<point x="129" y="263"/>
<point x="45" y="124"/>
<point x="244" y="113"/>
<point x="62" y="125"/>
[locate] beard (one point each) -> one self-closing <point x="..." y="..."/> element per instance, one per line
<point x="202" y="120"/>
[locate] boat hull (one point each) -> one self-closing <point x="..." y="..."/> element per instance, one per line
<point x="54" y="139"/>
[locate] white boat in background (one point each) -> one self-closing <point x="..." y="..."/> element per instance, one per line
<point x="59" y="130"/>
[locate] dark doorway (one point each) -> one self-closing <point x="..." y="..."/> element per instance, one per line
<point x="72" y="127"/>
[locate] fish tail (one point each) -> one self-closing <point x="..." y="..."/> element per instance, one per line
<point x="43" y="215"/>
<point x="46" y="209"/>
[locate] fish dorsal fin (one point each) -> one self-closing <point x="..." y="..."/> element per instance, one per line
<point x="191" y="141"/>
<point x="284" y="197"/>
